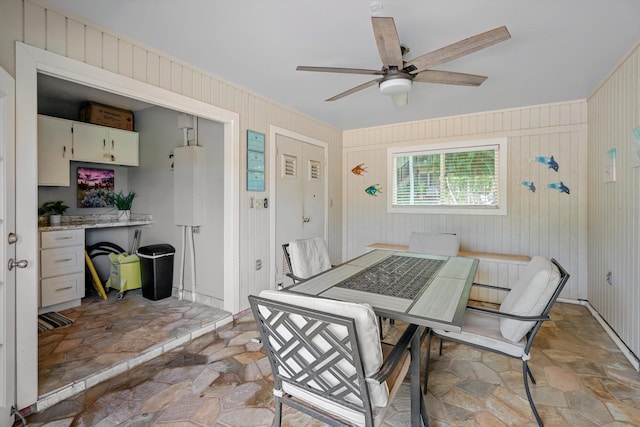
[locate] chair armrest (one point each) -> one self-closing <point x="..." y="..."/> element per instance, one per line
<point x="507" y="315"/>
<point x="396" y="354"/>
<point x="295" y="278"/>
<point x="497" y="288"/>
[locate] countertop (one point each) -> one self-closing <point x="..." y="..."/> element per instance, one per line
<point x="72" y="222"/>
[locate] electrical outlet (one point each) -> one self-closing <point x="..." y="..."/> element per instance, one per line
<point x="258" y="264"/>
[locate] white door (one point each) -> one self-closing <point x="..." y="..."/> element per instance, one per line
<point x="7" y="248"/>
<point x="300" y="195"/>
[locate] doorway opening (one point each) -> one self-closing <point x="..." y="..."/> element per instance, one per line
<point x="31" y="61"/>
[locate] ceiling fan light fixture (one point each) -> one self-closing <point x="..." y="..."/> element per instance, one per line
<point x="400" y="100"/>
<point x="393" y="87"/>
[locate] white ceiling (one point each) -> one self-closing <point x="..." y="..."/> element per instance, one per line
<point x="560" y="49"/>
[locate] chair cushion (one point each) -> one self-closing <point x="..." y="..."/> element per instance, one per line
<point x="484" y="330"/>
<point x="529" y="296"/>
<point x="366" y="325"/>
<point x="434" y="243"/>
<point x="309" y="257"/>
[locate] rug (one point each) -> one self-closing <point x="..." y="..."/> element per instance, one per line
<point x="52" y="320"/>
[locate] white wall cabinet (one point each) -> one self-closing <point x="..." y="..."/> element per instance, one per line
<point x="99" y="144"/>
<point x="61" y="269"/>
<point x="55" y="146"/>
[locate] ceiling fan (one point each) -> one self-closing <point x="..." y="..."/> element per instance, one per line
<point x="398" y="75"/>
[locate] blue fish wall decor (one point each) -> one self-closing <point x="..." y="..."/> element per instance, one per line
<point x="530" y="185"/>
<point x="559" y="186"/>
<point x="373" y="190"/>
<point x="549" y="161"/>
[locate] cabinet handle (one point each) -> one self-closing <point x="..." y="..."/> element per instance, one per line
<point x="64" y="289"/>
<point x="104" y="143"/>
<point x="63" y="238"/>
<point x="113" y="158"/>
<point x="112" y="144"/>
<point x="64" y="151"/>
<point x="63" y="260"/>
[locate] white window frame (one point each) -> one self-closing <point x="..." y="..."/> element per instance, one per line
<point x="452" y="146"/>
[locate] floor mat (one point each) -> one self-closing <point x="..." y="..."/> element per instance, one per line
<point x="52" y="320"/>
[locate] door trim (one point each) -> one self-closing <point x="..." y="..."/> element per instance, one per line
<point x="8" y="307"/>
<point x="29" y="62"/>
<point x="274" y="131"/>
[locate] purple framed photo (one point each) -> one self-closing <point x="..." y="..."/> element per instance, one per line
<point x="95" y="188"/>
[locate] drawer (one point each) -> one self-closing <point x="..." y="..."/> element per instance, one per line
<point x="57" y="290"/>
<point x="58" y="239"/>
<point x="56" y="262"/>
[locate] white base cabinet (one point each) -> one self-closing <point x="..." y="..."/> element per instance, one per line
<point x="61" y="269"/>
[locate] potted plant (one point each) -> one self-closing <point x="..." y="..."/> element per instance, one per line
<point x="53" y="210"/>
<point x="123" y="203"/>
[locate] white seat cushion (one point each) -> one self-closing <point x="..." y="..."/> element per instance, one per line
<point x="309" y="257"/>
<point x="484" y="330"/>
<point x="529" y="296"/>
<point x="366" y="325"/>
<point x="434" y="243"/>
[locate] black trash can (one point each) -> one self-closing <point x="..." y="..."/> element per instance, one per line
<point x="156" y="270"/>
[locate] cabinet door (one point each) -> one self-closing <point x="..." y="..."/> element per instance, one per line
<point x="123" y="146"/>
<point x="54" y="151"/>
<point x="90" y="143"/>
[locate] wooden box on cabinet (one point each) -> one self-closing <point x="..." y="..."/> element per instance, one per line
<point x="61" y="269"/>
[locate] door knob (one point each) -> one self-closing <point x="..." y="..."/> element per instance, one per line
<point x="12" y="238"/>
<point x="306" y="219"/>
<point x="23" y="263"/>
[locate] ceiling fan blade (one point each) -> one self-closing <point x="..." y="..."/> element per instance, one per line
<point x="449" y="78"/>
<point x="384" y="29"/>
<point x="354" y="90"/>
<point x="339" y="70"/>
<point x="458" y="49"/>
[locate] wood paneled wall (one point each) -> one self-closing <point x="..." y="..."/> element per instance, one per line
<point x="542" y="223"/>
<point x="614" y="207"/>
<point x="69" y="36"/>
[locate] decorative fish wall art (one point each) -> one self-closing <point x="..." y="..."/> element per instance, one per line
<point x="359" y="170"/>
<point x="373" y="190"/>
<point x="548" y="161"/>
<point x="559" y="186"/>
<point x="530" y="185"/>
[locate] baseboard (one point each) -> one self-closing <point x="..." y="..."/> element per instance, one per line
<point x="635" y="362"/>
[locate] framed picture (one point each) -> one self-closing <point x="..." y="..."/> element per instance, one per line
<point x="255" y="161"/>
<point x="95" y="187"/>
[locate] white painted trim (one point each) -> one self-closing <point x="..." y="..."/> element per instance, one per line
<point x="273" y="132"/>
<point x="29" y="62"/>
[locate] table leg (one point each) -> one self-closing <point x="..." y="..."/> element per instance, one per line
<point x="419" y="413"/>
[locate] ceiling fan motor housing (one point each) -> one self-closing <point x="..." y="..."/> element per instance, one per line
<point x="395" y="85"/>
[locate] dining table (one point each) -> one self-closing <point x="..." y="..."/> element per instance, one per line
<point x="431" y="291"/>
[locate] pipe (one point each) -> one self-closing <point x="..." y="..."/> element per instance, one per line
<point x="193" y="265"/>
<point x="181" y="284"/>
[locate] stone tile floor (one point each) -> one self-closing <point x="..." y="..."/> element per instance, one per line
<point x="223" y="379"/>
<point x="105" y="333"/>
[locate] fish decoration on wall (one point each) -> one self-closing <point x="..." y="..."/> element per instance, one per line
<point x="373" y="190"/>
<point x="550" y="162"/>
<point x="559" y="186"/>
<point x="359" y="170"/>
<point x="530" y="185"/>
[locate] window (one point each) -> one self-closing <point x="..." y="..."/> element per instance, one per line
<point x="466" y="177"/>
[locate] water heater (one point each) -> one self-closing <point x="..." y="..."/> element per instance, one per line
<point x="189" y="185"/>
